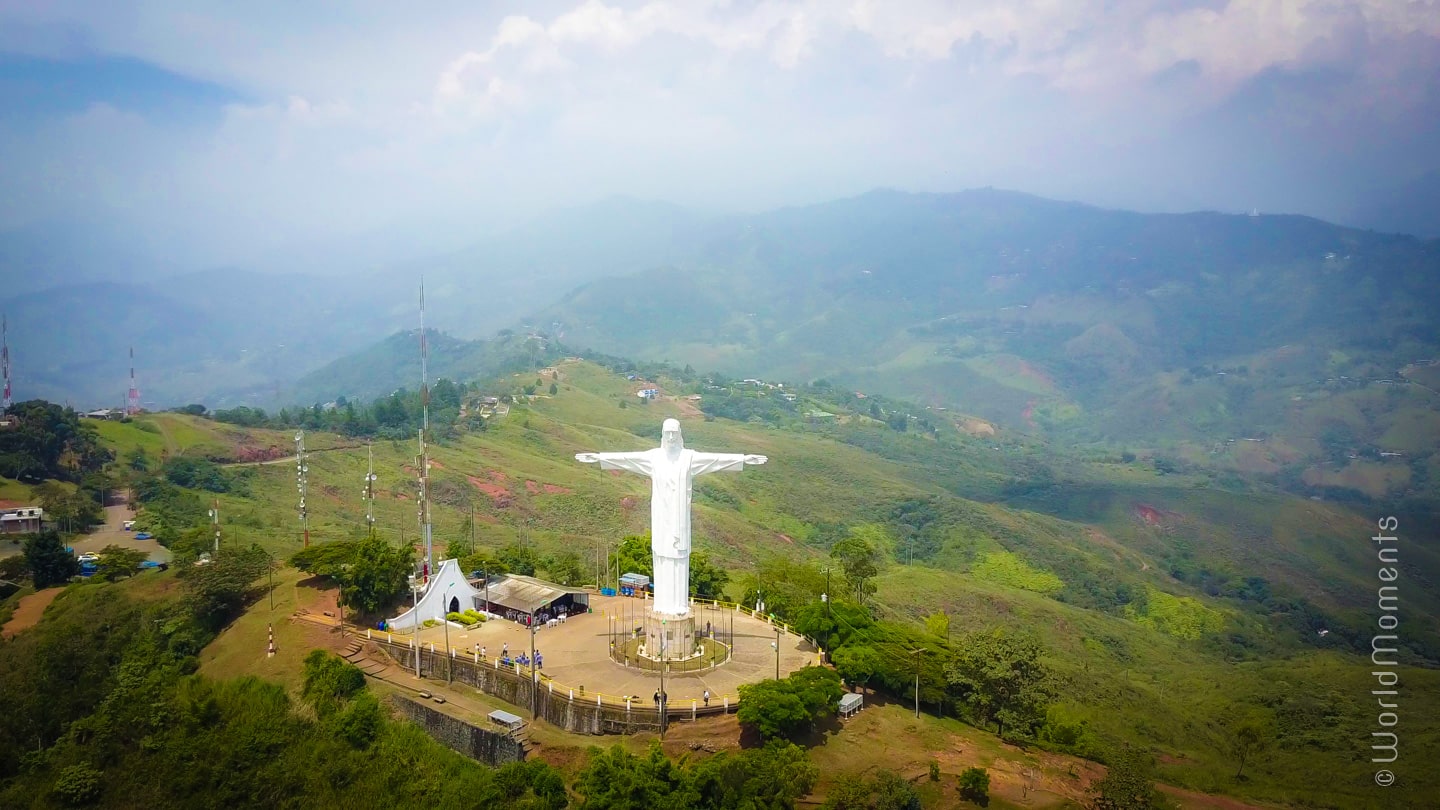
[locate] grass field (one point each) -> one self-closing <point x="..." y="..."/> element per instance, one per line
<point x="1141" y="677"/>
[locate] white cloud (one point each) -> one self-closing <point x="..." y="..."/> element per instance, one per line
<point x="455" y="106"/>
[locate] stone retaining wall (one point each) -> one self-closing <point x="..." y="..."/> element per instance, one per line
<point x="482" y="745"/>
<point x="581" y="715"/>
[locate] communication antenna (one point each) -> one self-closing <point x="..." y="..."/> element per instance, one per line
<point x="5" y="363"/>
<point x="370" y="488"/>
<point x="132" y="402"/>
<point x="301" y="475"/>
<point x="424" y="429"/>
<point x="215" y="521"/>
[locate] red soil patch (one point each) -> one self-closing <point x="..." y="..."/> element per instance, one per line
<point x="627" y="502"/>
<point x="402" y="496"/>
<point x="1029" y="414"/>
<point x="556" y="489"/>
<point x="787" y="538"/>
<point x="4" y="504"/>
<point x="532" y="487"/>
<point x="1155" y="517"/>
<point x="497" y="476"/>
<point x="500" y="495"/>
<point x="27" y="614"/>
<point x="437" y="465"/>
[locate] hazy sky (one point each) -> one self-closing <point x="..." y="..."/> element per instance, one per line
<point x="220" y="133"/>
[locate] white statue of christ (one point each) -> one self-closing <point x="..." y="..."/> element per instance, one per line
<point x="671" y="469"/>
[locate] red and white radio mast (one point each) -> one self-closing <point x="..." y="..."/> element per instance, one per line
<point x="132" y="401"/>
<point x="5" y="363"/>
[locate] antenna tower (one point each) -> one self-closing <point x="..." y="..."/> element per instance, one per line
<point x="301" y="483"/>
<point x="132" y="401"/>
<point x="424" y="429"/>
<point x="215" y="521"/>
<point x="5" y="363"/>
<point x="370" y="488"/>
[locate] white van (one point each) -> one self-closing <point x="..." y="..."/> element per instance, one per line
<point x="129" y="525"/>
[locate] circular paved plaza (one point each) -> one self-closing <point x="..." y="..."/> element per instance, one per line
<point x="577" y="653"/>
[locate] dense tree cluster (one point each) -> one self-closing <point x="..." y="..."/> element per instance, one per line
<point x="774" y="776"/>
<point x="371" y="573"/>
<point x="49" y="442"/>
<point x="792" y="705"/>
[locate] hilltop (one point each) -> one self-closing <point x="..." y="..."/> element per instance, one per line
<point x="1167" y="604"/>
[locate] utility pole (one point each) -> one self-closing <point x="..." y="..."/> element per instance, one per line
<point x="917" y="653"/>
<point x="776" y="645"/>
<point x="424" y="429"/>
<point x="215" y="521"/>
<point x="825" y="597"/>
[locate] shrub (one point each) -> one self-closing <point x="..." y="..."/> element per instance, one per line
<point x="78" y="784"/>
<point x="934" y="771"/>
<point x="975" y="786"/>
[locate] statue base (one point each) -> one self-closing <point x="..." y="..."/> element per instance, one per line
<point x="669" y="637"/>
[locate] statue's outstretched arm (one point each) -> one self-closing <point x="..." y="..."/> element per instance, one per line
<point x="630" y="462"/>
<point x="702" y="463"/>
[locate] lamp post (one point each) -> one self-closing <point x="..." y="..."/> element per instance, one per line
<point x="776" y="645"/>
<point x="662" y="679"/>
<point x="534" y="691"/>
<point x="917" y="653"/>
<point x="445" y="617"/>
<point x="415" y="615"/>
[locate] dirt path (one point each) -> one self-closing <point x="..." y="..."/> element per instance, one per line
<point x="27" y="614"/>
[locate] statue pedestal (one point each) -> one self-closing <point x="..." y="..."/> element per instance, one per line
<point x="676" y="632"/>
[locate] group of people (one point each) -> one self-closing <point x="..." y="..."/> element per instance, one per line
<point x="661" y="698"/>
<point x="522" y="659"/>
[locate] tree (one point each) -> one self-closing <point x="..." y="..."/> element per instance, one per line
<point x="1128" y="784"/>
<point x="554" y="389"/>
<point x="376" y="576"/>
<point x="938" y="624"/>
<point x="519" y="559"/>
<point x="894" y="792"/>
<point x="118" y="561"/>
<point x="329" y="681"/>
<point x="790" y="705"/>
<point x="564" y="568"/>
<point x="1002" y="678"/>
<point x="975" y="786"/>
<point x="857" y="663"/>
<point x="218" y="590"/>
<point x="860" y="562"/>
<point x="48" y="561"/>
<point x="1249" y="735"/>
<point x="707" y="581"/>
<point x="615" y="779"/>
<point x="633" y="555"/>
<point x="328" y="560"/>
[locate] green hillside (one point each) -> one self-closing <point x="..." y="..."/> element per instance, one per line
<point x="1168" y="605"/>
<point x="1181" y="335"/>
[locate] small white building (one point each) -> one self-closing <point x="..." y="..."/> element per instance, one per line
<point x="851" y="703"/>
<point x="21" y="520"/>
<point x="447" y="592"/>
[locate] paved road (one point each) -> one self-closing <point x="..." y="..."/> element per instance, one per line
<point x="113" y="532"/>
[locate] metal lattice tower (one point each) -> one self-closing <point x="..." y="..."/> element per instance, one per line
<point x="215" y="521"/>
<point x="301" y="484"/>
<point x="132" y="400"/>
<point x="5" y="363"/>
<point x="425" y="429"/>
<point x="370" y="488"/>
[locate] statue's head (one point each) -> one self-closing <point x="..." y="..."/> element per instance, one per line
<point x="670" y="439"/>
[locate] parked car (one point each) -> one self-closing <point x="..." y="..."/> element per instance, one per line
<point x="143" y="536"/>
<point x="89" y="558"/>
